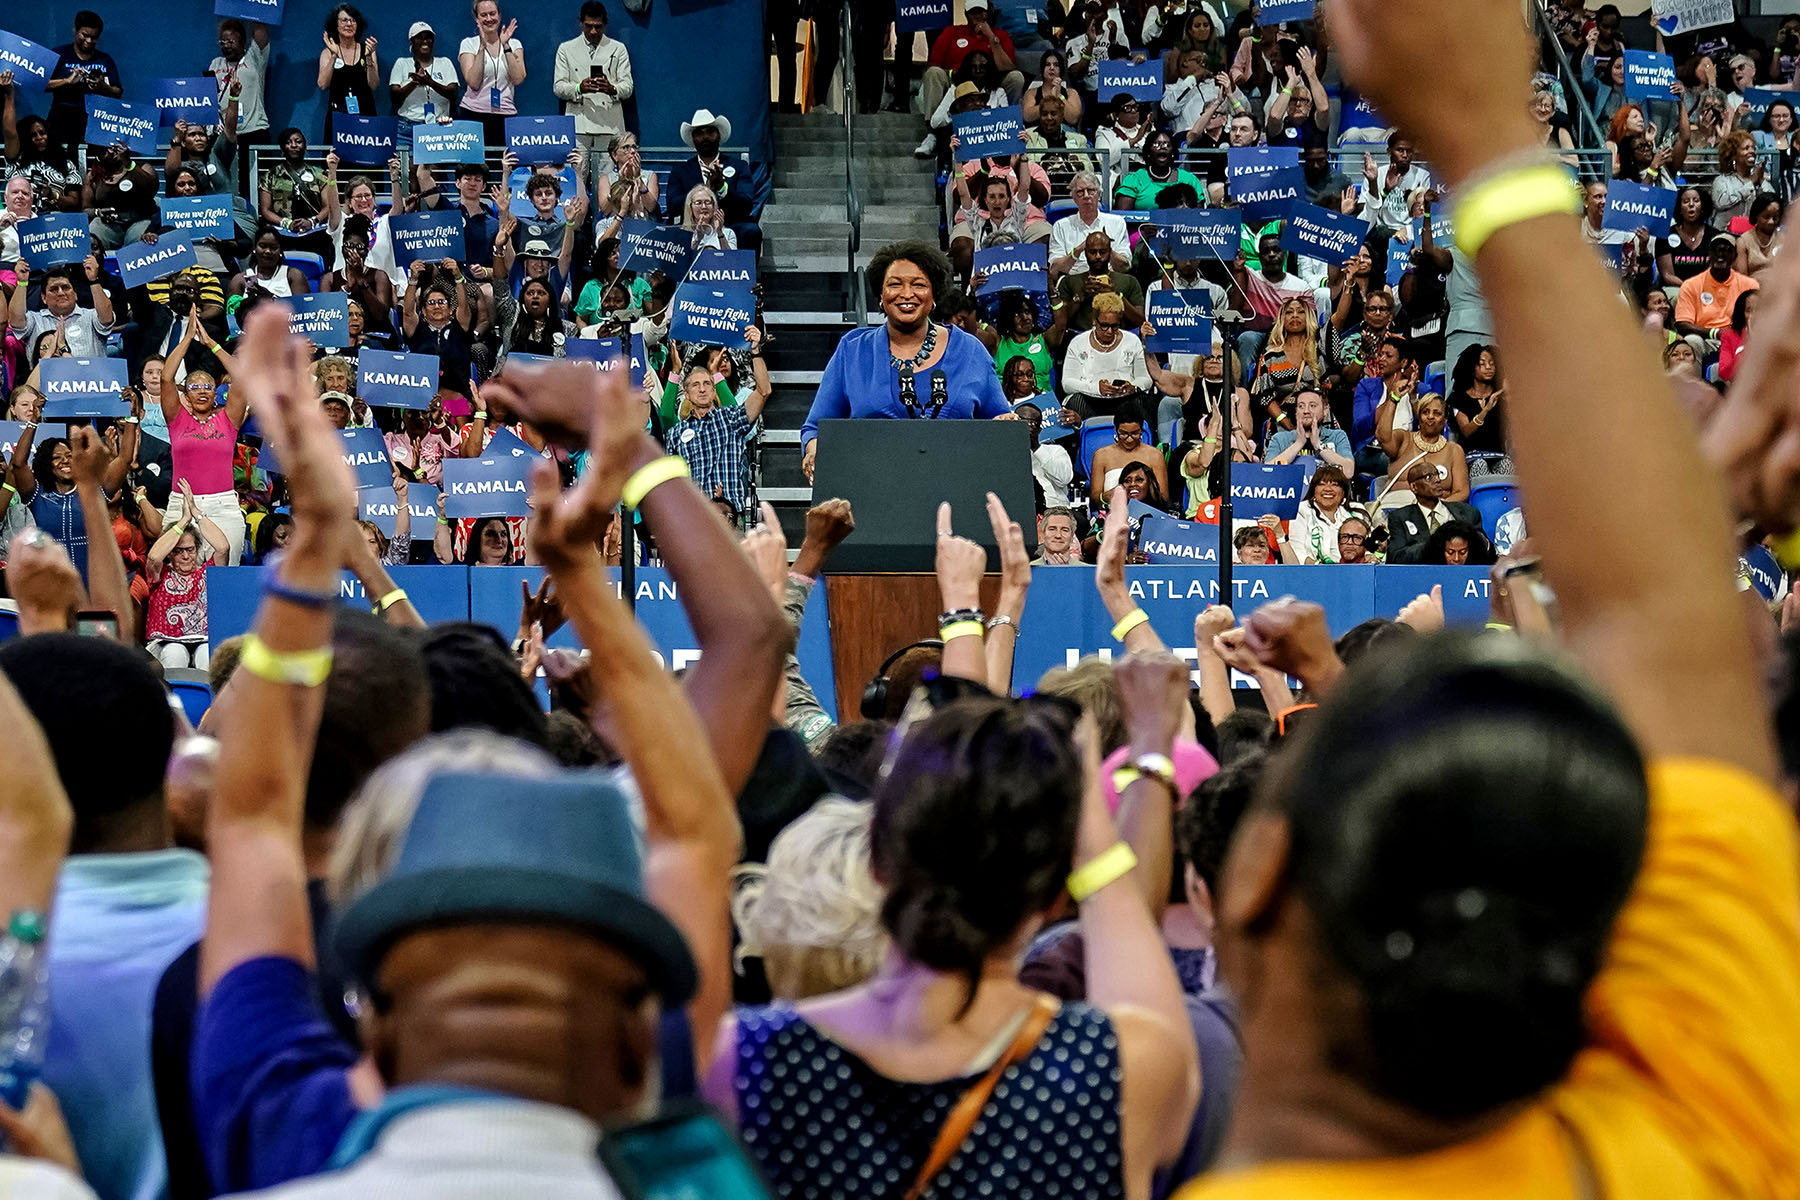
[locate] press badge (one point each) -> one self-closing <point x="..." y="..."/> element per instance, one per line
<point x="351" y="106"/>
<point x="494" y="98"/>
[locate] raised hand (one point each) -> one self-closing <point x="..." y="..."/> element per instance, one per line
<point x="1425" y="612"/>
<point x="89" y="454"/>
<point x="1291" y="636"/>
<point x="960" y="565"/>
<point x="766" y="547"/>
<point x="1153" y="691"/>
<point x="1211" y="621"/>
<point x="1015" y="564"/>
<point x="542" y="610"/>
<point x="275" y="373"/>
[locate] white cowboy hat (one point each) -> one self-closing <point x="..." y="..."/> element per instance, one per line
<point x="703" y="117"/>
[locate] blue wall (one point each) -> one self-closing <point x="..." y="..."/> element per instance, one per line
<point x="685" y="54"/>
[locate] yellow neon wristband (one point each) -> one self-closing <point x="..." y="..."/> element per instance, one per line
<point x="1510" y="197"/>
<point x="1159" y="767"/>
<point x="1787" y="551"/>
<point x="388" y="601"/>
<point x="302" y="668"/>
<point x="958" y="629"/>
<point x="651" y="476"/>
<point x="1129" y="622"/>
<point x="1109" y="866"/>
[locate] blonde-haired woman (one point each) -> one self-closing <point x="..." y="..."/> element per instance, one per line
<point x="1289" y="363"/>
<point x="492" y="64"/>
<point x="702" y="214"/>
<point x="813" y="912"/>
<point x="630" y="191"/>
<point x="1740" y="178"/>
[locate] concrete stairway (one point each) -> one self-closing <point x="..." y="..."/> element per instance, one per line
<point x="805" y="227"/>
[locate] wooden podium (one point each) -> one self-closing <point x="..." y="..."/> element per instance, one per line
<point x="874" y="615"/>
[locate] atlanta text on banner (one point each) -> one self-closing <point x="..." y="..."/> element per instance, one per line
<point x="54" y="239"/>
<point x="133" y="125"/>
<point x="914" y="16"/>
<point x="1633" y="206"/>
<point x="988" y="132"/>
<point x="364" y="141"/>
<point x="723" y="268"/>
<point x="1674" y="17"/>
<point x="540" y="139"/>
<point x="143" y="262"/>
<point x="322" y="318"/>
<point x="194" y="100"/>
<point x="1140" y="81"/>
<point x="25" y="58"/>
<point x="394" y="379"/>
<point x="200" y="217"/>
<point x="426" y="235"/>
<point x="1320" y="233"/>
<point x="84" y="387"/>
<point x="457" y="142"/>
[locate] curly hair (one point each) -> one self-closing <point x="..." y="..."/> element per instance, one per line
<point x="928" y="258"/>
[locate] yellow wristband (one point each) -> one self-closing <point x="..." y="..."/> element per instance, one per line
<point x="1129" y="622"/>
<point x="1510" y="197"/>
<point x="1109" y="866"/>
<point x="958" y="629"/>
<point x="302" y="668"/>
<point x="1787" y="551"/>
<point x="1159" y="767"/>
<point x="650" y="476"/>
<point x="388" y="601"/>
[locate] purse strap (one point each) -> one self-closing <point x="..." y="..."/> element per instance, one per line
<point x="962" y="1118"/>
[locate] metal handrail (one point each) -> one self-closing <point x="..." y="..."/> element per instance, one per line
<point x="856" y="301"/>
<point x="1586" y="122"/>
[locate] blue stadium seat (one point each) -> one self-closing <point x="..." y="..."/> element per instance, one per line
<point x="1095" y="433"/>
<point x="9" y="621"/>
<point x="1057" y="209"/>
<point x="310" y="265"/>
<point x="193" y="688"/>
<point x="1493" y="497"/>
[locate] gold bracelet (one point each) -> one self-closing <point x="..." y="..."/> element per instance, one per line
<point x="651" y="476"/>
<point x="388" y="601"/>
<point x="958" y="629"/>
<point x="1109" y="866"/>
<point x="301" y="668"/>
<point x="1129" y="622"/>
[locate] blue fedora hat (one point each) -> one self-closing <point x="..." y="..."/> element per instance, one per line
<point x="541" y="851"/>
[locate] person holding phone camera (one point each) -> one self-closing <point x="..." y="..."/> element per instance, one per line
<point x="593" y="80"/>
<point x="82" y="69"/>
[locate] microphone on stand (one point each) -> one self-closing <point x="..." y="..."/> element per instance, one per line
<point x="940" y="392"/>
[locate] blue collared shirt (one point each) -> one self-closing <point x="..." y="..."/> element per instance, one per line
<point x="861" y="381"/>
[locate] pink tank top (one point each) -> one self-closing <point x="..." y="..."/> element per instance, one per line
<point x="202" y="451"/>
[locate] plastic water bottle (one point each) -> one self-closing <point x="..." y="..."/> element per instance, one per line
<point x="24" y="1006"/>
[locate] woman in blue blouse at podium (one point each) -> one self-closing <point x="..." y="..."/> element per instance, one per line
<point x="908" y="366"/>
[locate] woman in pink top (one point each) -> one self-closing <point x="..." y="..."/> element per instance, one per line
<point x="203" y="437"/>
<point x="175" y="622"/>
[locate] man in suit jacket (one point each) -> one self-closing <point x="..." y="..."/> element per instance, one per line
<point x="1411" y="527"/>
<point x="740" y="188"/>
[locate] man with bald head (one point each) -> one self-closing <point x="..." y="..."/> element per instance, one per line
<point x="1073" y="309"/>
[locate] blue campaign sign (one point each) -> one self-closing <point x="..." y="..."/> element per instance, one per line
<point x="266" y="11"/>
<point x="25" y="58"/>
<point x="915" y="16"/>
<point x="54" y="239"/>
<point x="1052" y="429"/>
<point x="1274" y="12"/>
<point x="1165" y="540"/>
<point x="457" y="142"/>
<point x="133" y="125"/>
<point x="1756" y="104"/>
<point x="1396" y="586"/>
<point x="323" y="318"/>
<point x="364" y="141"/>
<point x="1320" y="233"/>
<point x="1633" y="206"/>
<point x="645" y="246"/>
<point x="1399" y="261"/>
<point x="988" y="132"/>
<point x="517" y="185"/>
<point x="382" y="506"/>
<point x="1258" y="489"/>
<point x="534" y="140"/>
<point x="392" y="379"/>
<point x="1022" y="265"/>
<point x="1265" y="181"/>
<point x="1649" y="75"/>
<point x="430" y="236"/>
<point x="712" y="316"/>
<point x="438" y="593"/>
<point x="200" y="217"/>
<point x="1180" y="320"/>
<point x="494" y="485"/>
<point x="1140" y="81"/>
<point x="12" y="431"/>
<point x="1765" y="572"/>
<point x="723" y="268"/>
<point x="194" y="100"/>
<point x="365" y="453"/>
<point x="144" y="262"/>
<point x="1195" y="234"/>
<point x="84" y="387"/>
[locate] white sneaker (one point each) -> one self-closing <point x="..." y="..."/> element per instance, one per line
<point x="926" y="148"/>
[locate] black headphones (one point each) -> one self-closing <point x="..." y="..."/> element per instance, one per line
<point x="875" y="696"/>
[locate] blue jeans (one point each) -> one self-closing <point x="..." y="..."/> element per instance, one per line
<point x="1249" y="348"/>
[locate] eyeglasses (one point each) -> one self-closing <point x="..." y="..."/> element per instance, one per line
<point x="1350" y="537"/>
<point x="202" y="387"/>
<point x="1378" y="308"/>
<point x="1106" y="324"/>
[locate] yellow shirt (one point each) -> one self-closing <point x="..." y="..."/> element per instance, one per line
<point x="1690" y="1085"/>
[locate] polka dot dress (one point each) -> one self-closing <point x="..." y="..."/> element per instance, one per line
<point x="824" y="1124"/>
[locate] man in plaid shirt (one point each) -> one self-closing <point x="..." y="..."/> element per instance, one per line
<point x="712" y="438"/>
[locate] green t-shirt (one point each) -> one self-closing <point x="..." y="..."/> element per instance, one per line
<point x="670" y="408"/>
<point x="1032" y="348"/>
<point x="1144" y="190"/>
<point x="587" y="305"/>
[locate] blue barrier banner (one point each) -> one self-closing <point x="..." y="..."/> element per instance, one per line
<point x="1633" y="206"/>
<point x="1265" y="181"/>
<point x="28" y="60"/>
<point x="431" y="236"/>
<point x="144" y="262"/>
<point x="200" y="217"/>
<point x="266" y="11"/>
<point x="364" y="141"/>
<point x="12" y="431"/>
<point x="84" y="388"/>
<point x="1022" y="265"/>
<point x="439" y="593"/>
<point x="988" y="133"/>
<point x="1396" y="586"/>
<point x="322" y="318"/>
<point x="1274" y="12"/>
<point x="457" y="142"/>
<point x="916" y="16"/>
<point x="1258" y="489"/>
<point x="535" y="140"/>
<point x="55" y="239"/>
<point x="194" y="100"/>
<point x="1166" y="540"/>
<point x="519" y="202"/>
<point x="494" y="485"/>
<point x="382" y="506"/>
<point x="1140" y="81"/>
<point x="645" y="246"/>
<point x="110" y="121"/>
<point x="723" y="269"/>
<point x="1180" y="321"/>
<point x="1320" y="233"/>
<point x="1649" y="75"/>
<point x="391" y="379"/>
<point x="712" y="317"/>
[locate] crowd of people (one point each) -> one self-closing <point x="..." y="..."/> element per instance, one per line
<point x="1509" y="912"/>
